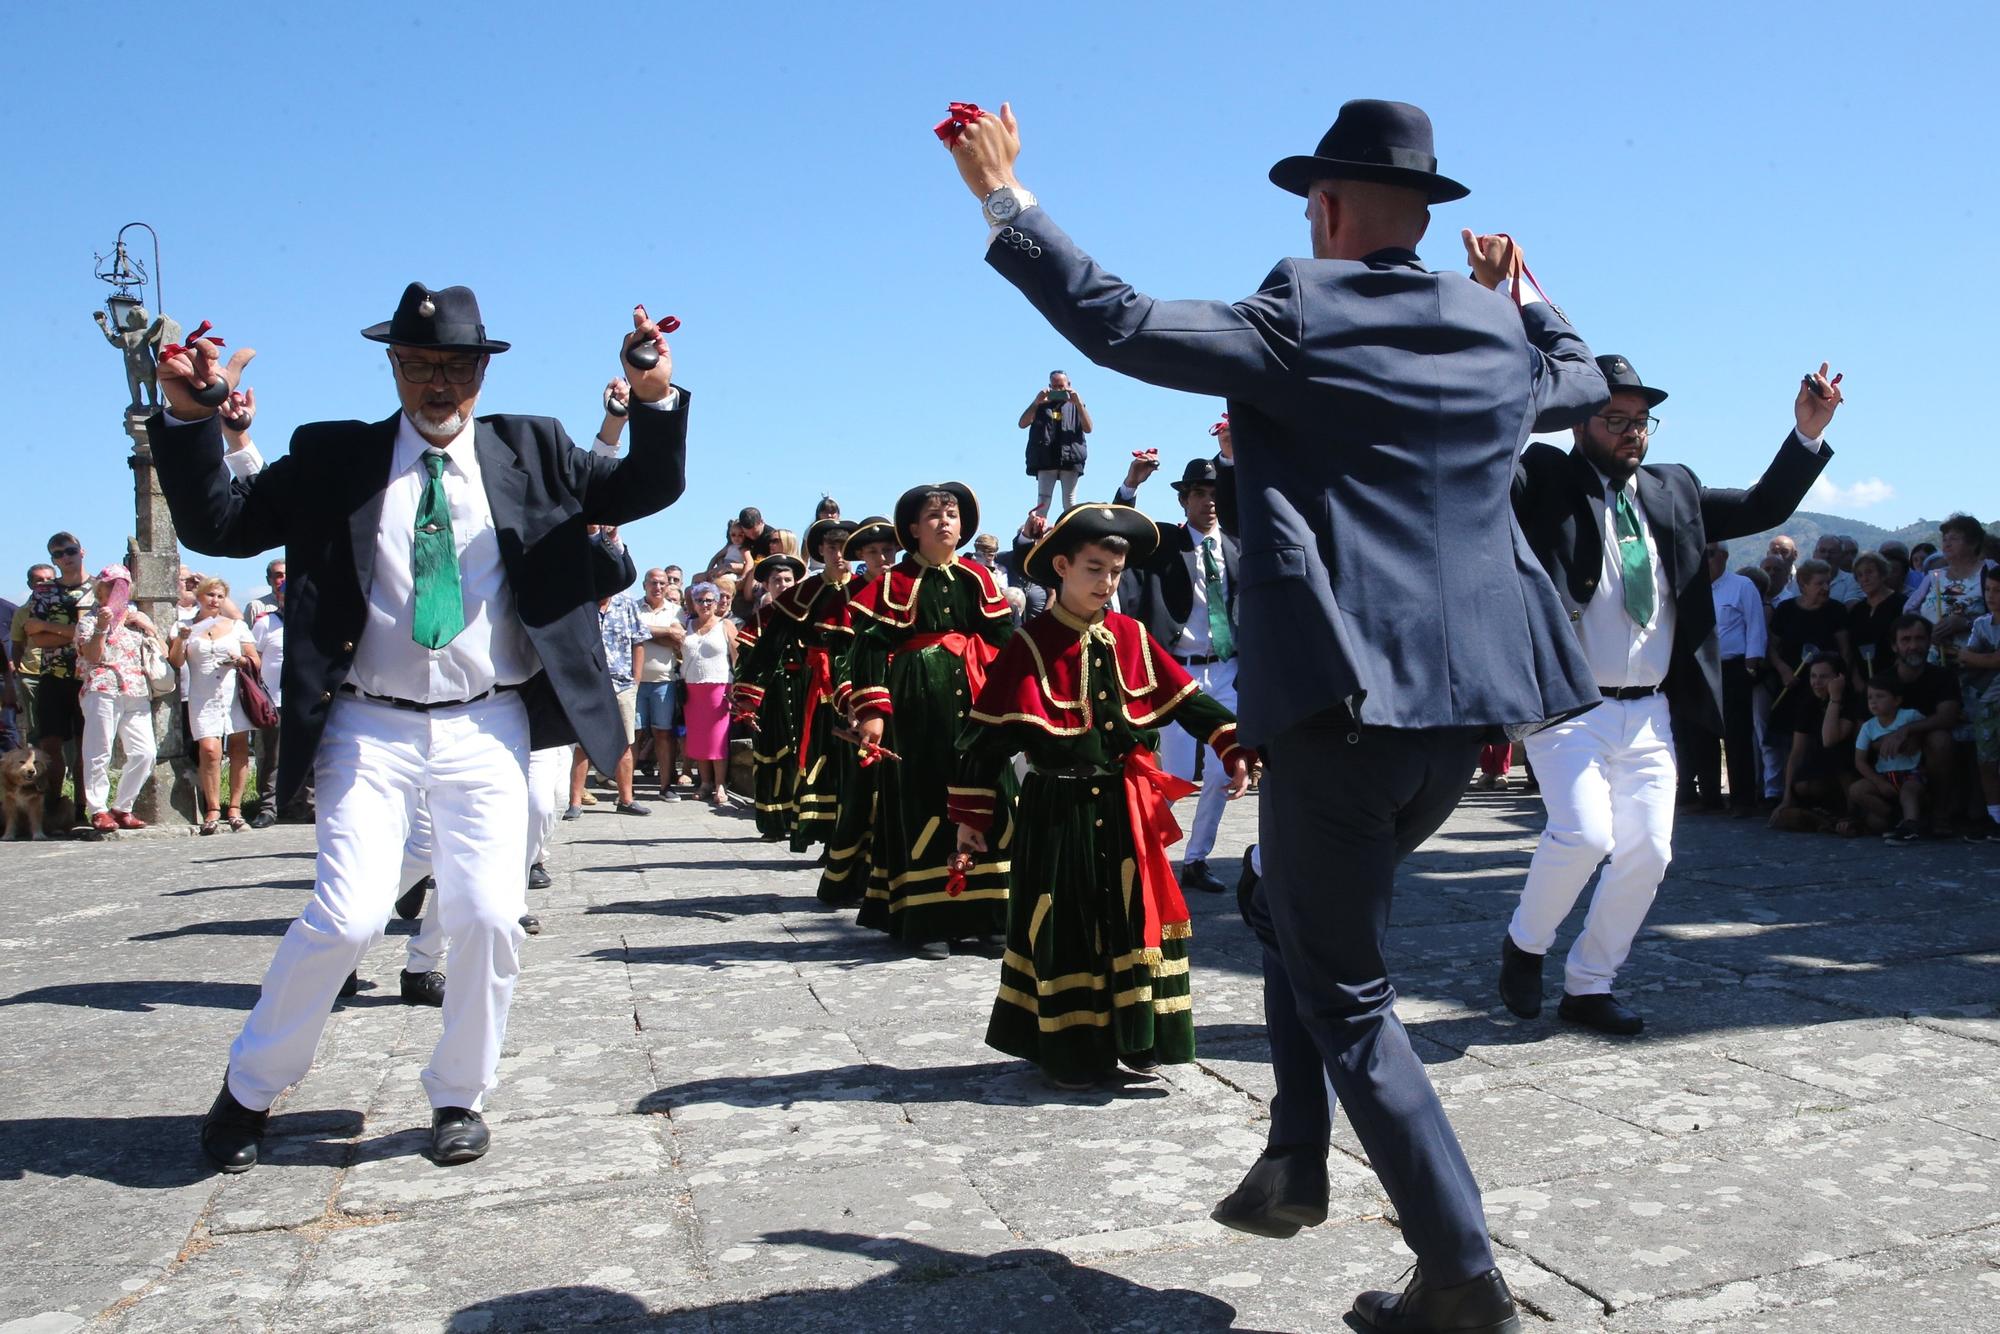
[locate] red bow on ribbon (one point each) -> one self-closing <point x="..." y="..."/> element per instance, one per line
<point x="1220" y="426"/>
<point x="819" y="687"/>
<point x="973" y="651"/>
<point x="957" y="116"/>
<point x="960" y="864"/>
<point x="1150" y="792"/>
<point x="201" y="332"/>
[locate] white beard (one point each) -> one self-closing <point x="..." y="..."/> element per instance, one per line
<point x="441" y="431"/>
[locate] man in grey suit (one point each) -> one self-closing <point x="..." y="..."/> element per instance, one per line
<point x="1374" y="407"/>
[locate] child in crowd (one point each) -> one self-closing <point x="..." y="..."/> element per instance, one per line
<point x="1979" y="675"/>
<point x="1889" y="781"/>
<point x="1096" y="966"/>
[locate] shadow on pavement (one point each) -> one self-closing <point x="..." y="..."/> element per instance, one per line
<point x="161" y="1152"/>
<point x="717" y="907"/>
<point x="141" y="997"/>
<point x="1002" y="1082"/>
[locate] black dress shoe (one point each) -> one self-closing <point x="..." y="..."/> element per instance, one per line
<point x="458" y="1135"/>
<point x="1477" y="1306"/>
<point x="1520" y="978"/>
<point x="538" y="877"/>
<point x="931" y="949"/>
<point x="411" y="905"/>
<point x="1196" y="875"/>
<point x="352" y="986"/>
<point x="231" y="1132"/>
<point x="1246" y="881"/>
<point x="423" y="988"/>
<point x="264" y="818"/>
<point x="531" y="924"/>
<point x="1284" y="1191"/>
<point x="1602" y="1012"/>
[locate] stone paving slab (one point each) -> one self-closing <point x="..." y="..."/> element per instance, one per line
<point x="725" y="1108"/>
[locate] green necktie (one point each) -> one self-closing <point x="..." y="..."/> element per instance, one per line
<point x="1633" y="562"/>
<point x="440" y="608"/>
<point x="1221" y="640"/>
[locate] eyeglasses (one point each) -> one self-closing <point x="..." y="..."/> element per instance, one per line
<point x="423" y="372"/>
<point x="65" y="553"/>
<point x="1618" y="423"/>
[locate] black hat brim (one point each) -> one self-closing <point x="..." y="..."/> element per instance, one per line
<point x="379" y="333"/>
<point x="1297" y="174"/>
<point x="762" y="570"/>
<point x="1088" y="523"/>
<point x="817" y="534"/>
<point x="868" y="532"/>
<point x="909" y="506"/>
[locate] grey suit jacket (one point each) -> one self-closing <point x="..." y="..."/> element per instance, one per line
<point x="1377" y="411"/>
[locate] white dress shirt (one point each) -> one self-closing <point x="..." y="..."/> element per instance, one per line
<point x="1739" y="617"/>
<point x="493" y="648"/>
<point x="1621" y="652"/>
<point x="269" y="637"/>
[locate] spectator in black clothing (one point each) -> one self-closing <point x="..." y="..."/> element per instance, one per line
<point x="1056" y="423"/>
<point x="1034" y="597"/>
<point x="1933" y="691"/>
<point x="1824" y="713"/>
<point x="759" y="540"/>
<point x="1871" y="622"/>
<point x="1808" y="625"/>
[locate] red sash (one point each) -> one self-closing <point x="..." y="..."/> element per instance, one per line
<point x="1149" y="795"/>
<point x="819" y="686"/>
<point x="973" y="651"/>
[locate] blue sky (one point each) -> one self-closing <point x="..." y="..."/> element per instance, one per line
<point x="1725" y="194"/>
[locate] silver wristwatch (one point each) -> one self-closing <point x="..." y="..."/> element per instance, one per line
<point x="1006" y="204"/>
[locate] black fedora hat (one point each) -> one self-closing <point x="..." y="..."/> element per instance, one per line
<point x="910" y="506"/>
<point x="1199" y="472"/>
<point x="1618" y="373"/>
<point x="781" y="561"/>
<point x="1372" y="140"/>
<point x="446" y="318"/>
<point x="821" y="530"/>
<point x="875" y="528"/>
<point x="1085" y="524"/>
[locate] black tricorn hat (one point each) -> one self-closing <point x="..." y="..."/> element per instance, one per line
<point x="1618" y="373"/>
<point x="910" y="506"/>
<point x="869" y="531"/>
<point x="781" y="561"/>
<point x="1083" y="525"/>
<point x="446" y="318"/>
<point x="1199" y="472"/>
<point x="824" y="528"/>
<point x="1371" y="140"/>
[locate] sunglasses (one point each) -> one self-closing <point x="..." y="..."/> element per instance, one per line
<point x="64" y="553"/>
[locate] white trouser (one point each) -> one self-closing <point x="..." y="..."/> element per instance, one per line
<point x="375" y="764"/>
<point x="548" y="796"/>
<point x="1607" y="780"/>
<point x="131" y="718"/>
<point x="1179" y="749"/>
<point x="427" y="944"/>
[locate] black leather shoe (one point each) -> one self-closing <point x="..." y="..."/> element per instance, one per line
<point x="531" y="924"/>
<point x="458" y="1134"/>
<point x="1520" y="978"/>
<point x="352" y="986"/>
<point x="423" y="988"/>
<point x="1196" y="875"/>
<point x="1602" y="1012"/>
<point x="1246" y="881"/>
<point x="1284" y="1191"/>
<point x="231" y="1132"/>
<point x="1477" y="1306"/>
<point x="538" y="877"/>
<point x="411" y="905"/>
<point x="264" y="818"/>
<point x="931" y="949"/>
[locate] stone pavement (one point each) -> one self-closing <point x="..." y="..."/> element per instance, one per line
<point x="723" y="1109"/>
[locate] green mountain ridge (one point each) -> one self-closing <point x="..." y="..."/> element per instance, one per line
<point x="1807" y="526"/>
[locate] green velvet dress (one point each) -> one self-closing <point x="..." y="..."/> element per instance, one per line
<point x="910" y="893"/>
<point x="771" y="677"/>
<point x="825" y="765"/>
<point x="1079" y="988"/>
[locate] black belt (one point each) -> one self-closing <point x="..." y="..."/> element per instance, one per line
<point x="1629" y="692"/>
<point x="1197" y="659"/>
<point x="418" y="705"/>
<point x="1075" y="771"/>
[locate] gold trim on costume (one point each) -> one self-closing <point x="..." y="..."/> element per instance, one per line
<point x="1041" y="912"/>
<point x="1170" y="968"/>
<point x="1173" y="1004"/>
<point x="924" y="839"/>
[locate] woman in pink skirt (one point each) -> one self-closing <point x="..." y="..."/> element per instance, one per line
<point x="708" y="662"/>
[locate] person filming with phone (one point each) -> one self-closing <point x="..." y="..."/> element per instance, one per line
<point x="1056" y="423"/>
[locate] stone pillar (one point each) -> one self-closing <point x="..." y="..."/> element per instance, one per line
<point x="154" y="558"/>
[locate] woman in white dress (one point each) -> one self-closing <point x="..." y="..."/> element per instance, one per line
<point x="215" y="646"/>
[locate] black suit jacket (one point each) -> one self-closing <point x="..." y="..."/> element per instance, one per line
<point x="1559" y="498"/>
<point x="323" y="503"/>
<point x="1159" y="592"/>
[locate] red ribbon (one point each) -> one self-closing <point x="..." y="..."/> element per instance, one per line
<point x="819" y="686"/>
<point x="201" y="332"/>
<point x="1150" y="792"/>
<point x="973" y="651"/>
<point x="954" y="884"/>
<point x="1220" y="426"/>
<point x="1526" y="272"/>
<point x="957" y="117"/>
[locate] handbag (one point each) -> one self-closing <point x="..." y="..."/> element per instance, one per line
<point x="161" y="678"/>
<point x="256" y="700"/>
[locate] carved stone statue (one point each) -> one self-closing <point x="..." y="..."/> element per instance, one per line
<point x="140" y="339"/>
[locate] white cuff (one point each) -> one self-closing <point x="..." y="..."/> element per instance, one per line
<point x="243" y="463"/>
<point x="667" y="404"/>
<point x="1811" y="442"/>
<point x="604" y="449"/>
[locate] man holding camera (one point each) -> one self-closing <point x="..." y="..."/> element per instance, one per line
<point x="1056" y="423"/>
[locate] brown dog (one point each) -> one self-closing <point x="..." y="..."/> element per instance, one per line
<point x="24" y="775"/>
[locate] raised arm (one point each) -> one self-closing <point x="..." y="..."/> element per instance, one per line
<point x="653" y="472"/>
<point x="215" y="512"/>
<point x="1729" y="512"/>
